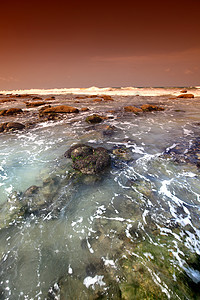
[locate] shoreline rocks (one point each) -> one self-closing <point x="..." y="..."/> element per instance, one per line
<point x="185" y="96"/>
<point x="60" y="109"/>
<point x="94" y="119"/>
<point x="10" y="126"/>
<point x="11" y="111"/>
<point x="88" y="160"/>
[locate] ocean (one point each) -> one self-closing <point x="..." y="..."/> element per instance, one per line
<point x="131" y="232"/>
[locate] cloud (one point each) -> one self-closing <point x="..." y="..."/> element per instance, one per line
<point x="177" y="56"/>
<point x="188" y="72"/>
<point x="8" y="79"/>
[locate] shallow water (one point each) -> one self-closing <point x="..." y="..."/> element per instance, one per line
<point x="131" y="233"/>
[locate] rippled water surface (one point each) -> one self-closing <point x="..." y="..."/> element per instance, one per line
<point x="132" y="232"/>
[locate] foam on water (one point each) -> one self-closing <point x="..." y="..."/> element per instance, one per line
<point x="123" y="91"/>
<point x="142" y="214"/>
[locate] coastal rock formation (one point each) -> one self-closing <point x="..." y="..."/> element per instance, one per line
<point x="107" y="98"/>
<point x="183" y="91"/>
<point x="97" y="100"/>
<point x="11" y="126"/>
<point x="36" y="98"/>
<point x="35" y="104"/>
<point x="94" y="119"/>
<point x="133" y="109"/>
<point x="185" y="152"/>
<point x="150" y="107"/>
<point x="60" y="109"/>
<point x="122" y="153"/>
<point x="186" y="96"/>
<point x="10" y="111"/>
<point x="84" y="109"/>
<point x="88" y="160"/>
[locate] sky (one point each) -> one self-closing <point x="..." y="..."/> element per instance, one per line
<point x="57" y="44"/>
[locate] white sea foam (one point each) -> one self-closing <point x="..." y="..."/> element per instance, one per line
<point x="123" y="91"/>
<point x="91" y="281"/>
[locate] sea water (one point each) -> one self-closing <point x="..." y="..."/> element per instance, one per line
<point x="131" y="233"/>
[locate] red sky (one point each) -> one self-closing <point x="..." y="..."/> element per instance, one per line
<point x="46" y="44"/>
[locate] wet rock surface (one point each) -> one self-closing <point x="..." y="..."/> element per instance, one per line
<point x="185" y="152"/>
<point x="11" y="126"/>
<point x="60" y="109"/>
<point x="94" y="119"/>
<point x="88" y="160"/>
<point x="10" y="111"/>
<point x="185" y="96"/>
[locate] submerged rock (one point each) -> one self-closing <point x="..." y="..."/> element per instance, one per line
<point x="185" y="152"/>
<point x="88" y="160"/>
<point x="122" y="153"/>
<point x="94" y="119"/>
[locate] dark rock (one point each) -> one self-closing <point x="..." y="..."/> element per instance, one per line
<point x="88" y="160"/>
<point x="3" y="126"/>
<point x="94" y="119"/>
<point x="31" y="190"/>
<point x="11" y="126"/>
<point x="183" y="91"/>
<point x="15" y="126"/>
<point x="122" y="153"/>
<point x="10" y="111"/>
<point x="186" y="96"/>
<point x="185" y="152"/>
<point x="36" y="98"/>
<point x="150" y="107"/>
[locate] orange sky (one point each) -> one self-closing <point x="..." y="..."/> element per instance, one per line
<point x="46" y="44"/>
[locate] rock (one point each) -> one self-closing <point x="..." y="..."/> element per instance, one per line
<point x="185" y="152"/>
<point x="150" y="107"/>
<point x="94" y="119"/>
<point x="61" y="109"/>
<point x="23" y="96"/>
<point x="186" y="96"/>
<point x="78" y="150"/>
<point x="11" y="126"/>
<point x="88" y="160"/>
<point x="50" y="98"/>
<point x="133" y="109"/>
<point x="84" y="109"/>
<point x="3" y="126"/>
<point x="10" y="112"/>
<point x="97" y="100"/>
<point x="122" y="153"/>
<point x="183" y="91"/>
<point x="14" y="126"/>
<point x="36" y="98"/>
<point x="34" y="104"/>
<point x="31" y="191"/>
<point x="107" y="98"/>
